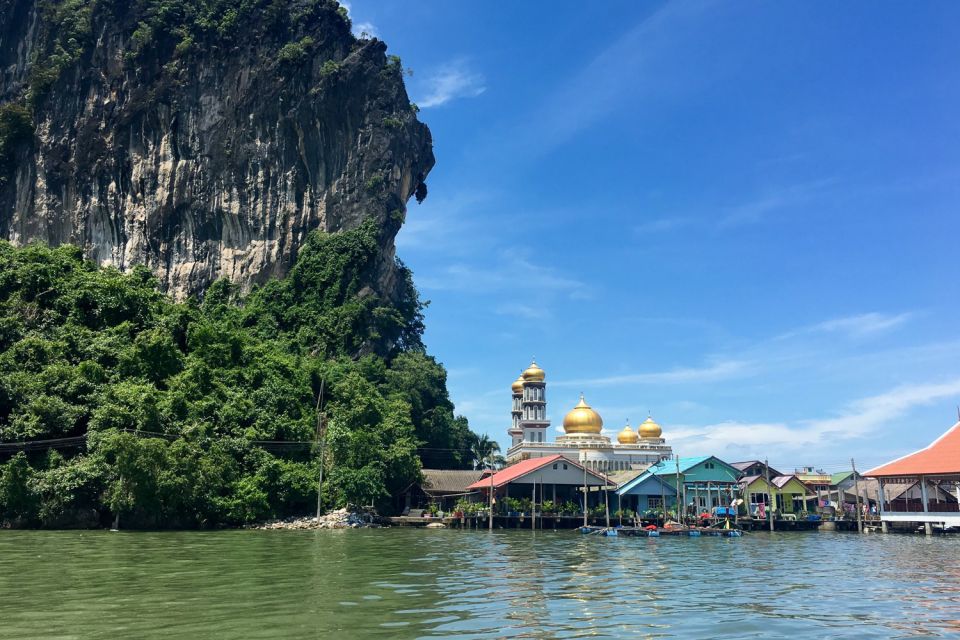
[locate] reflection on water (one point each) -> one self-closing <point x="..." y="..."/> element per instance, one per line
<point x="419" y="583"/>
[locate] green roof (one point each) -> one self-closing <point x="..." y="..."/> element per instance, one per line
<point x="837" y="478"/>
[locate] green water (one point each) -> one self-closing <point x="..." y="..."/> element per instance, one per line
<point x="402" y="583"/>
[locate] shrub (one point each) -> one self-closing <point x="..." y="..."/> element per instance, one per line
<point x="16" y="130"/>
<point x="329" y="68"/>
<point x="295" y="52"/>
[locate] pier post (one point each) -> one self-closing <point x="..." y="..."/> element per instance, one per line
<point x="928" y="528"/>
<point x="856" y="488"/>
<point x="884" y="527"/>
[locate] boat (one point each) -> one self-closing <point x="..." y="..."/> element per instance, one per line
<point x="657" y="532"/>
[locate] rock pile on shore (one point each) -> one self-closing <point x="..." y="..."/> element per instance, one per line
<point x="338" y="519"/>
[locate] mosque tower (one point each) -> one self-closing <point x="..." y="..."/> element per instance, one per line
<point x="533" y="421"/>
<point x="516" y="412"/>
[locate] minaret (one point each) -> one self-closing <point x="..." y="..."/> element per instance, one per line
<point x="516" y="412"/>
<point x="533" y="405"/>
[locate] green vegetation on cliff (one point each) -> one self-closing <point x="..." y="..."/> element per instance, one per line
<point x="202" y="413"/>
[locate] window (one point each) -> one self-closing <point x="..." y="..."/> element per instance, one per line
<point x="554" y="465"/>
<point x="564" y="466"/>
<point x="654" y="502"/>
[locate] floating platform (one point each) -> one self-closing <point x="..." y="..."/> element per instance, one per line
<point x="692" y="532"/>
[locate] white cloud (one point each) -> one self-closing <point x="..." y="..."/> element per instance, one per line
<point x="742" y="440"/>
<point x="449" y="82"/>
<point x="857" y="326"/>
<point x="365" y="29"/>
<point x="864" y="324"/>
<point x="360" y="29"/>
<point x="722" y="370"/>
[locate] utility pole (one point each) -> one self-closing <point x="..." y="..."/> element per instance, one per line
<point x="769" y="494"/>
<point x="663" y="501"/>
<point x="583" y="461"/>
<point x="606" y="499"/>
<point x="683" y="518"/>
<point x="321" y="439"/>
<point x="533" y="507"/>
<point x="856" y="487"/>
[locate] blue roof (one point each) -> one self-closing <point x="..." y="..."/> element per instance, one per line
<point x="670" y="466"/>
<point x="644" y="478"/>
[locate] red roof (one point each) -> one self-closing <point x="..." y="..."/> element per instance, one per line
<point x="522" y="468"/>
<point x="941" y="457"/>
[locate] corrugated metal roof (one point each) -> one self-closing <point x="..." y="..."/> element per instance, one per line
<point x="837" y="478"/>
<point x="438" y="481"/>
<point x="522" y="468"/>
<point x="667" y="467"/>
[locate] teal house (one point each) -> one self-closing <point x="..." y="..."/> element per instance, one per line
<point x="646" y="492"/>
<point x="703" y="482"/>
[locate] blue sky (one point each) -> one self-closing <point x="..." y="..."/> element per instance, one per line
<point x="741" y="217"/>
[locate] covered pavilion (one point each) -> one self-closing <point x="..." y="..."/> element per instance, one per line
<point x="555" y="478"/>
<point x="932" y="476"/>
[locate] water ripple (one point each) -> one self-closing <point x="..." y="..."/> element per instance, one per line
<point x="473" y="584"/>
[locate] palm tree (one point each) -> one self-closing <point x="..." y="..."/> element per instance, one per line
<point x="483" y="449"/>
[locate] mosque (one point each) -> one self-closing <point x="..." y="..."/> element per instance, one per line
<point x="582" y="440"/>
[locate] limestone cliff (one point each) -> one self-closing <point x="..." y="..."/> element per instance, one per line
<point x="202" y="138"/>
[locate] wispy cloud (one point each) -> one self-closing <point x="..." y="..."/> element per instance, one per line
<point x="521" y="310"/>
<point x="450" y="224"/>
<point x="857" y="326"/>
<point x="638" y="68"/>
<point x="511" y="270"/>
<point x="661" y="225"/>
<point x="449" y="82"/>
<point x="722" y="370"/>
<point x="775" y="199"/>
<point x="787" y="439"/>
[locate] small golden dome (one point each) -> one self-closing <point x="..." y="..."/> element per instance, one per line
<point x="534" y="373"/>
<point x="517" y="386"/>
<point x="650" y="429"/>
<point x="628" y="436"/>
<point x="582" y="419"/>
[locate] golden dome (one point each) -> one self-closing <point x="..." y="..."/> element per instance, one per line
<point x="533" y="373"/>
<point x="582" y="419"/>
<point x="628" y="436"/>
<point x="650" y="429"/>
<point x="517" y="386"/>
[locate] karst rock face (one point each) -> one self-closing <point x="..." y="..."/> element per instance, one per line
<point x="202" y="143"/>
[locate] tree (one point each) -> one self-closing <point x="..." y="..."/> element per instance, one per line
<point x="483" y="450"/>
<point x="201" y="414"/>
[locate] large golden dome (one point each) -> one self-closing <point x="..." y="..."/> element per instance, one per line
<point x="517" y="386"/>
<point x="582" y="419"/>
<point x="534" y="373"/>
<point x="628" y="436"/>
<point x="650" y="429"/>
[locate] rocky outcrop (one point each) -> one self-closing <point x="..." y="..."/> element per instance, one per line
<point x="206" y="144"/>
<point x="336" y="519"/>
